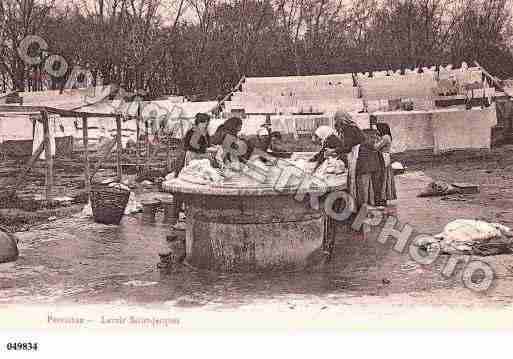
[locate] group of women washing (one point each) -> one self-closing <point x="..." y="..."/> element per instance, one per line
<point x="224" y="144"/>
<point x="370" y="179"/>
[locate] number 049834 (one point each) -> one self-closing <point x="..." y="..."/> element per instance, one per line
<point x="22" y="346"/>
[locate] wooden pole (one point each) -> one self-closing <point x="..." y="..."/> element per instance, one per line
<point x="23" y="174"/>
<point x="137" y="134"/>
<point x="48" y="156"/>
<point x="119" y="147"/>
<point x="85" y="139"/>
<point x="147" y="164"/>
<point x="168" y="157"/>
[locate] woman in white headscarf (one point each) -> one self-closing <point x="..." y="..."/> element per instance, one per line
<point x="323" y="132"/>
<point x="327" y="137"/>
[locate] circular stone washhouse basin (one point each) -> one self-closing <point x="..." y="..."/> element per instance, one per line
<point x="243" y="225"/>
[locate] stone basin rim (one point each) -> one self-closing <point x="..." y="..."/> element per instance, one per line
<point x="183" y="187"/>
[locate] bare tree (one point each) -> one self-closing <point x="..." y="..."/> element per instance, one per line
<point x="20" y="18"/>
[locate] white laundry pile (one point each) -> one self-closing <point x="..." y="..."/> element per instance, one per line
<point x="331" y="166"/>
<point x="201" y="171"/>
<point x="468" y="236"/>
<point x="304" y="164"/>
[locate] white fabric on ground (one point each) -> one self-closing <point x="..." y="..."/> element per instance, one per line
<point x="461" y="235"/>
<point x="330" y="166"/>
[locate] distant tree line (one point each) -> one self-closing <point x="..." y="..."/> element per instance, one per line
<point x="203" y="47"/>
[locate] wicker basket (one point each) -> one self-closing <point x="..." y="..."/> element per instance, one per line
<point x="108" y="204"/>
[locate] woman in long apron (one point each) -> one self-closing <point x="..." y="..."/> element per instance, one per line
<point x="365" y="164"/>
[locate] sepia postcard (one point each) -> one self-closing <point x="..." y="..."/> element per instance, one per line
<point x="171" y="165"/>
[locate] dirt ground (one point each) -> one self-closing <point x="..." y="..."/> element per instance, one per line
<point x="74" y="262"/>
<point x="27" y="207"/>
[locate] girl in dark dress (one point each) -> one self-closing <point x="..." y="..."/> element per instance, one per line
<point x="196" y="141"/>
<point x="384" y="145"/>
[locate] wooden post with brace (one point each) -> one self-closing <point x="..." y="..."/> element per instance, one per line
<point x="48" y="156"/>
<point x="85" y="139"/>
<point x="119" y="147"/>
<point x="148" y="154"/>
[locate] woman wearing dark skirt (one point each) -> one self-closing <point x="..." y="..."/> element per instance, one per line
<point x="195" y="144"/>
<point x="196" y="141"/>
<point x="384" y="145"/>
<point x="365" y="164"/>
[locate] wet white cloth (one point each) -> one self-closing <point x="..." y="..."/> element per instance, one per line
<point x="201" y="171"/>
<point x="306" y="166"/>
<point x="461" y="235"/>
<point x="330" y="166"/>
<point x="170" y="176"/>
<point x="352" y="158"/>
<point x="191" y="156"/>
<point x="472" y="230"/>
